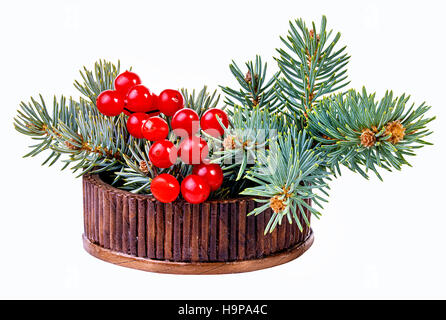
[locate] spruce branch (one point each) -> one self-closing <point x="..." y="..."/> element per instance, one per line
<point x="310" y="66"/>
<point x="33" y="119"/>
<point x="365" y="134"/>
<point x="100" y="142"/>
<point x="288" y="176"/>
<point x="76" y="128"/>
<point x="138" y="173"/>
<point x="255" y="89"/>
<point x="99" y="79"/>
<point x="250" y="133"/>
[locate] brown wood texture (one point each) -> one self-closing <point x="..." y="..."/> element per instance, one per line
<point x="200" y="268"/>
<point x="214" y="232"/>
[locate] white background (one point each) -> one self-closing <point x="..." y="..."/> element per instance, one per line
<point x="375" y="240"/>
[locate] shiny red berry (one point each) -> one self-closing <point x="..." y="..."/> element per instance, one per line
<point x="163" y="154"/>
<point x="155" y="102"/>
<point x="135" y="123"/>
<point x="110" y="103"/>
<point x="193" y="150"/>
<point x="210" y="124"/>
<point x="140" y="99"/>
<point x="170" y="101"/>
<point x="155" y="128"/>
<point x="185" y="123"/>
<point x="165" y="188"/>
<point x="125" y="81"/>
<point x="211" y="173"/>
<point x="195" y="189"/>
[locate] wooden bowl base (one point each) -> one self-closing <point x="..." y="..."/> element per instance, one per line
<point x="164" y="266"/>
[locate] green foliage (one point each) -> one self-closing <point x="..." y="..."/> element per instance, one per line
<point x="255" y="90"/>
<point x="34" y="120"/>
<point x="338" y="122"/>
<point x="266" y="151"/>
<point x="138" y="172"/>
<point x="310" y="66"/>
<point x="99" y="143"/>
<point x="97" y="80"/>
<point x="289" y="173"/>
<point x="249" y="135"/>
<point x="256" y="118"/>
<point x="76" y="129"/>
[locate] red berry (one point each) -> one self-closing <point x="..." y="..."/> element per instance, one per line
<point x="110" y="103"/>
<point x="209" y="123"/>
<point x="170" y="101"/>
<point x="163" y="154"/>
<point x="211" y="173"/>
<point x="156" y="102"/>
<point x="125" y="81"/>
<point x="126" y="111"/>
<point x="139" y="99"/>
<point x="155" y="128"/>
<point x="185" y="122"/>
<point x="165" y="188"/>
<point x="155" y="106"/>
<point x="135" y="123"/>
<point x="195" y="189"/>
<point x="193" y="150"/>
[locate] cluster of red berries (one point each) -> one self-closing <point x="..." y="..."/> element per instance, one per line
<point x="143" y="109"/>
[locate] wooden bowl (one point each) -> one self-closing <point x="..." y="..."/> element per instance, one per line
<point x="215" y="237"/>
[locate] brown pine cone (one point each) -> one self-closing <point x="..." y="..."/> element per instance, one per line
<point x="143" y="167"/>
<point x="368" y="138"/>
<point x="397" y="131"/>
<point x="248" y="77"/>
<point x="277" y="204"/>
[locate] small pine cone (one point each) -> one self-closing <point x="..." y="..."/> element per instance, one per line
<point x="256" y="86"/>
<point x="229" y="143"/>
<point x="248" y="77"/>
<point x="397" y="131"/>
<point x="143" y="167"/>
<point x="255" y="101"/>
<point x="368" y="138"/>
<point x="312" y="35"/>
<point x="277" y="204"/>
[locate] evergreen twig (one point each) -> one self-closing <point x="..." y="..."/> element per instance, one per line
<point x="310" y="66"/>
<point x="365" y="134"/>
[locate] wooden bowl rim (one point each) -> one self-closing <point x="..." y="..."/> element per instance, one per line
<point x="95" y="179"/>
<point x="198" y="268"/>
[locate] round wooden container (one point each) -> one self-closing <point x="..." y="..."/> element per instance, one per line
<point x="215" y="237"/>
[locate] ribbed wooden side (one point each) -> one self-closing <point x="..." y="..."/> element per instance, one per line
<point x="215" y="231"/>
